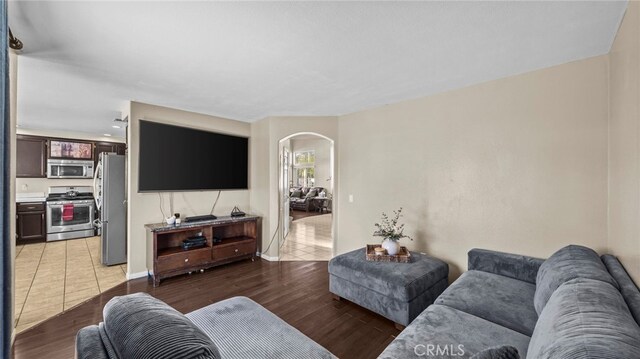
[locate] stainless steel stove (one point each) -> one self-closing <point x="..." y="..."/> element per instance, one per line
<point x="70" y="212"/>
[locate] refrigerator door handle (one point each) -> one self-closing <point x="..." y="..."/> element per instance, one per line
<point x="97" y="191"/>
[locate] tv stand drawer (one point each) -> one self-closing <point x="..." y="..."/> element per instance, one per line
<point x="227" y="251"/>
<point x="186" y="259"/>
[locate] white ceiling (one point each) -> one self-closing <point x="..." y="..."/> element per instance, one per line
<point x="83" y="60"/>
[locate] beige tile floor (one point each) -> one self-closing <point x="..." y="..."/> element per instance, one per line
<point x="309" y="239"/>
<point x="55" y="276"/>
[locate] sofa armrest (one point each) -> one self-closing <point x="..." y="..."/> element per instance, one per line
<point x="89" y="344"/>
<point x="509" y="265"/>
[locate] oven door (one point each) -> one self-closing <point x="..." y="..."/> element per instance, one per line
<point x="80" y="217"/>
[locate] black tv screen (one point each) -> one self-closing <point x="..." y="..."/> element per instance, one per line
<point x="174" y="158"/>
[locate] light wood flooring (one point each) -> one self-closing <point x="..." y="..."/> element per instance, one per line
<point x="53" y="277"/>
<point x="309" y="239"/>
<point x="297" y="292"/>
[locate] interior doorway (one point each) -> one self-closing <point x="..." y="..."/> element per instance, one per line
<point x="306" y="190"/>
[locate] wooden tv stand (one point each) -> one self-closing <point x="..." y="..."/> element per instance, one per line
<point x="236" y="239"/>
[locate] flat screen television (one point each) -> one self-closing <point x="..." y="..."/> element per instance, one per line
<point x="174" y="158"/>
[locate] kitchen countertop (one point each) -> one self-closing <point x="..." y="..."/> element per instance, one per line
<point x="22" y="197"/>
<point x="161" y="227"/>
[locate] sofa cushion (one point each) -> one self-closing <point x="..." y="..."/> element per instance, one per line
<point x="564" y="265"/>
<point x="503" y="352"/>
<point x="498" y="299"/>
<point x="585" y="318"/>
<point x="401" y="281"/>
<point x="515" y="266"/>
<point x="458" y="333"/>
<point x="141" y="326"/>
<point x="243" y="329"/>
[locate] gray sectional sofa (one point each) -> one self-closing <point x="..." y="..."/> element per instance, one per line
<point x="138" y="326"/>
<point x="572" y="305"/>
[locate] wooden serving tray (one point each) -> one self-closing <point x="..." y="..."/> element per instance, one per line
<point x="404" y="256"/>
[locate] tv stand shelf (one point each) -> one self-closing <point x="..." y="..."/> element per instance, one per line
<point x="179" y="251"/>
<point x="235" y="239"/>
<point x="231" y="240"/>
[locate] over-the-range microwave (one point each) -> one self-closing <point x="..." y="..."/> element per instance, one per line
<point x="69" y="168"/>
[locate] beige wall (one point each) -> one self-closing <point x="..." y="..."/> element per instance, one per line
<point x="144" y="208"/>
<point x="517" y="165"/>
<point x="43" y="184"/>
<point x="266" y="135"/>
<point x="624" y="143"/>
<point x="260" y="182"/>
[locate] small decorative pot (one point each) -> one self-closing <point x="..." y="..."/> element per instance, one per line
<point x="392" y="247"/>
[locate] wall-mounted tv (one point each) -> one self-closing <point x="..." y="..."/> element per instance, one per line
<point x="174" y="158"/>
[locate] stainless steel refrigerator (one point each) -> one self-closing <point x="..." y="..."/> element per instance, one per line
<point x="110" y="194"/>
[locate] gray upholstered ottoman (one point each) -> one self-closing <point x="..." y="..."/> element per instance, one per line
<point x="397" y="291"/>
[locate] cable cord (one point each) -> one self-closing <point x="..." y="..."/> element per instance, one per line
<point x="273" y="237"/>
<point x="284" y="240"/>
<point x="216" y="202"/>
<point x="161" y="206"/>
<point x="276" y="232"/>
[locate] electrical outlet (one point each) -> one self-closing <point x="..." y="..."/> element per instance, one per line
<point x="350" y="198"/>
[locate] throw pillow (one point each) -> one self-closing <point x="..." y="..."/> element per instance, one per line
<point x="296" y="194"/>
<point x="312" y="193"/>
<point x="568" y="263"/>
<point x="503" y="352"/>
<point x="143" y="327"/>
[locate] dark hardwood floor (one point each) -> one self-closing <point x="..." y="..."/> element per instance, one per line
<point x="297" y="292"/>
<point x="296" y="214"/>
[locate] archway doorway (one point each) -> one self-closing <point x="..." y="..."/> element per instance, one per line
<point x="306" y="190"/>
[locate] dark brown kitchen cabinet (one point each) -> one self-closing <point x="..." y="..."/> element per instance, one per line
<point x="118" y="148"/>
<point x="31" y="222"/>
<point x="31" y="156"/>
<point x="121" y="148"/>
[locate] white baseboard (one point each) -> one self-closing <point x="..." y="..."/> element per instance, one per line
<point x="270" y="259"/>
<point x="131" y="276"/>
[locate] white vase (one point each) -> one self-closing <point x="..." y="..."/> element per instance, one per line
<point x="392" y="247"/>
